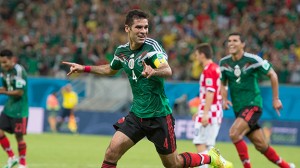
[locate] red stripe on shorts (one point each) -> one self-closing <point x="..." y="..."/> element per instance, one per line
<point x="24" y="125"/>
<point x="171" y="132"/>
<point x="249" y="114"/>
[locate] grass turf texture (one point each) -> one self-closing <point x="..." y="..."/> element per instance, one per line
<point x="87" y="151"/>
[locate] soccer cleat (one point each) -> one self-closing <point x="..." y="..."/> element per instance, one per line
<point x="215" y="158"/>
<point x="292" y="165"/>
<point x="11" y="162"/>
<point x="226" y="163"/>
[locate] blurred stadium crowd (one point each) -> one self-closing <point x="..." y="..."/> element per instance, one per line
<point x="45" y="32"/>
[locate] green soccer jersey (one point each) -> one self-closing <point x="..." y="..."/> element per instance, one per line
<point x="242" y="77"/>
<point x="14" y="79"/>
<point x="149" y="98"/>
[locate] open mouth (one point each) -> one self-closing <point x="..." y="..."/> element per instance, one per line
<point x="231" y="48"/>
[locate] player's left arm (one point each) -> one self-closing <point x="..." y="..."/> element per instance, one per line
<point x="266" y="68"/>
<point x="275" y="90"/>
<point x="160" y="67"/>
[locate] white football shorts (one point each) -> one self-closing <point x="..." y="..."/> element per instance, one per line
<point x="206" y="135"/>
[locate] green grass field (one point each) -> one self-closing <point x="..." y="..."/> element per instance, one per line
<point x="86" y="151"/>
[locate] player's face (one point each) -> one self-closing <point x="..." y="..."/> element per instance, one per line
<point x="137" y="32"/>
<point x="199" y="56"/>
<point x="6" y="63"/>
<point x="235" y="45"/>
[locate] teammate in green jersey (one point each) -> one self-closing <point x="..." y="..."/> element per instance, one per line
<point x="14" y="116"/>
<point x="240" y="71"/>
<point x="145" y="63"/>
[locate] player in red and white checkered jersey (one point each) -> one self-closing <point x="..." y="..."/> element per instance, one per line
<point x="210" y="83"/>
<point x="210" y="113"/>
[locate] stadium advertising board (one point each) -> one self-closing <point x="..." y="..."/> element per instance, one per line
<point x="278" y="132"/>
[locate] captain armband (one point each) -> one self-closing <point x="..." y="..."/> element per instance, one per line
<point x="159" y="60"/>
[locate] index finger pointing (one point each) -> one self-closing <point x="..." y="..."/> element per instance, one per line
<point x="67" y="63"/>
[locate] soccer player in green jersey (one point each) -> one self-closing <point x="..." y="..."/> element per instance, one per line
<point x="145" y="63"/>
<point x="14" y="116"/>
<point x="240" y="71"/>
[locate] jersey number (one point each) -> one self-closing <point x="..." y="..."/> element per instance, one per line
<point x="19" y="127"/>
<point x="134" y="76"/>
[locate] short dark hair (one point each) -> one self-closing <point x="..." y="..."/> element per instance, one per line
<point x="206" y="49"/>
<point x="135" y="14"/>
<point x="6" y="53"/>
<point x="237" y="34"/>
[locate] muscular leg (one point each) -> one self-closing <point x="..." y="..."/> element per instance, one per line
<point x="237" y="131"/>
<point x="258" y="139"/>
<point x="119" y="144"/>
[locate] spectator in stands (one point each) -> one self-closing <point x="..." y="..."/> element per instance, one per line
<point x="145" y="63"/>
<point x="42" y="28"/>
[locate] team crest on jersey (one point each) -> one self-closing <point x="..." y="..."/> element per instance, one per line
<point x="208" y="82"/>
<point x="131" y="63"/>
<point x="237" y="71"/>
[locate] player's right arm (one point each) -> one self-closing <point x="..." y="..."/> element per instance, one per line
<point x="274" y="83"/>
<point x="12" y="92"/>
<point x="103" y="70"/>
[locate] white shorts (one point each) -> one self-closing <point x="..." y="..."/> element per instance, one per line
<point x="206" y="135"/>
